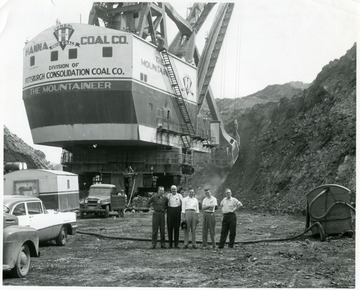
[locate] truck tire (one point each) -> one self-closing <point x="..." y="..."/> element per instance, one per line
<point x="61" y="239"/>
<point x="22" y="265"/>
<point x="107" y="211"/>
<point x="81" y="214"/>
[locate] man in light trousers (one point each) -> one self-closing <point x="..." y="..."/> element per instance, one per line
<point x="209" y="205"/>
<point x="190" y="214"/>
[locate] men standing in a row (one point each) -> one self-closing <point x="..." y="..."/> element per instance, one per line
<point x="209" y="205"/>
<point x="228" y="206"/>
<point x="174" y="216"/>
<point x="190" y="213"/>
<point x="160" y="204"/>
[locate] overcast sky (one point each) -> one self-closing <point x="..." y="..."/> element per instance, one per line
<point x="268" y="42"/>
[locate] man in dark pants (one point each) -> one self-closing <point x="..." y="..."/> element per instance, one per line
<point x="160" y="204"/>
<point x="228" y="207"/>
<point x="174" y="216"/>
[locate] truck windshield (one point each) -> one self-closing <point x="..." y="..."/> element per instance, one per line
<point x="99" y="191"/>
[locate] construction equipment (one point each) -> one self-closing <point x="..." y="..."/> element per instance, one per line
<point x="113" y="94"/>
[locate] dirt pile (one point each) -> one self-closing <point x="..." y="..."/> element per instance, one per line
<point x="291" y="146"/>
<point x="16" y="150"/>
<point x="206" y="174"/>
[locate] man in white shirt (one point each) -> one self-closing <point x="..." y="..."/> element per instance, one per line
<point x="174" y="216"/>
<point x="228" y="207"/>
<point x="190" y="214"/>
<point x="208" y="206"/>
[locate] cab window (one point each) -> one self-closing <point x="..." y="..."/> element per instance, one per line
<point x="19" y="209"/>
<point x="54" y="56"/>
<point x="72" y="53"/>
<point x="32" y="60"/>
<point x="107" y="52"/>
<point x="34" y="207"/>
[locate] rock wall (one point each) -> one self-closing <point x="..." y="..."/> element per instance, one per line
<point x="294" y="145"/>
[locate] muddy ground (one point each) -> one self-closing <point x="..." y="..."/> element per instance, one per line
<point x="89" y="260"/>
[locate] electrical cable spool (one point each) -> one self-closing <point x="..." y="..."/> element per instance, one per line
<point x="329" y="205"/>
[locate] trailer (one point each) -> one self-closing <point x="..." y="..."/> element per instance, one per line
<point x="58" y="190"/>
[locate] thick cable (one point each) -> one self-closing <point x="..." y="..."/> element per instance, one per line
<point x="321" y="232"/>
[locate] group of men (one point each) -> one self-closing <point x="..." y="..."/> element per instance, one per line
<point x="184" y="212"/>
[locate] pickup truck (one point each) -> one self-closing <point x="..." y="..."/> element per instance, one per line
<point x="19" y="244"/>
<point x="50" y="224"/>
<point x="102" y="199"/>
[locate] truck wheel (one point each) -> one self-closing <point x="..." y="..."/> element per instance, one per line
<point x="22" y="265"/>
<point x="107" y="210"/>
<point x="61" y="239"/>
<point x="81" y="214"/>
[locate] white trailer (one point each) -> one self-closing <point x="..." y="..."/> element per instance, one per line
<point x="59" y="190"/>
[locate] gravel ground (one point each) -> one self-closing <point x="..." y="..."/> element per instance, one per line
<point x="89" y="260"/>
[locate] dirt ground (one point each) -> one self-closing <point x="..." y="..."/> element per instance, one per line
<point x="89" y="260"/>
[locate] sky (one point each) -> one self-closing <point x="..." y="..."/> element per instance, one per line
<point x="267" y="42"/>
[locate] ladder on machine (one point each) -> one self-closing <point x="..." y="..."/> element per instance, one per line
<point x="188" y="128"/>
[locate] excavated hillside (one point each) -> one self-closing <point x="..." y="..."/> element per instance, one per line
<point x="294" y="145"/>
<point x="231" y="108"/>
<point x="16" y="150"/>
